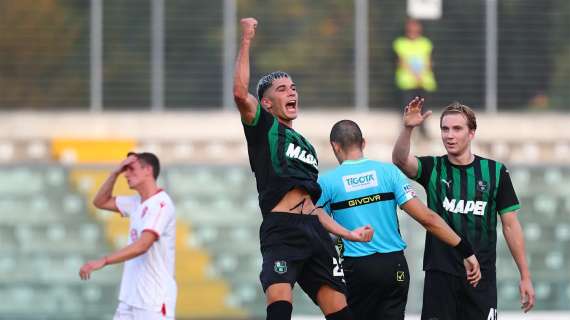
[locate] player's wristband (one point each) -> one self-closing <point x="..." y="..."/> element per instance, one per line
<point x="464" y="248"/>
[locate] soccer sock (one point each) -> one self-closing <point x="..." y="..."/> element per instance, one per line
<point x="279" y="310"/>
<point x="343" y="314"/>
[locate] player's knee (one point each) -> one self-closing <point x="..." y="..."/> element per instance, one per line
<point x="279" y="310"/>
<point x="279" y="292"/>
<point x="330" y="300"/>
<point x="343" y="314"/>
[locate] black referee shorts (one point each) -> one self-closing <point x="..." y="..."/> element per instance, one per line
<point x="450" y="297"/>
<point x="297" y="248"/>
<point x="377" y="285"/>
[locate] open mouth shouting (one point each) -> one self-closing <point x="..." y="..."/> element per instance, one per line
<point x="291" y="106"/>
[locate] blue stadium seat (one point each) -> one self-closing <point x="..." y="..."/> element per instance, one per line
<point x="508" y="291"/>
<point x="532" y="231"/>
<point x="563" y="232"/>
<point x="521" y="178"/>
<point x="554" y="260"/>
<point x="545" y="206"/>
<point x="566" y="209"/>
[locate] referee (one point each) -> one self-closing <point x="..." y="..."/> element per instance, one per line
<point x="362" y="191"/>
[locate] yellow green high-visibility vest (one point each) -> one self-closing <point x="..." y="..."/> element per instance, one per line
<point x="416" y="53"/>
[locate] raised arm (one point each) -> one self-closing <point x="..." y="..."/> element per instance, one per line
<point x="401" y="153"/>
<point x="512" y="231"/>
<point x="245" y="101"/>
<point x="104" y="198"/>
<point x="441" y="230"/>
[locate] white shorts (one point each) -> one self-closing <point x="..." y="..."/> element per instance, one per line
<point x="127" y="312"/>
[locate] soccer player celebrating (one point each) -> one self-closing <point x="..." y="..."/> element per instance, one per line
<point x="363" y="191"/>
<point x="148" y="288"/>
<point x="294" y="243"/>
<point x="468" y="192"/>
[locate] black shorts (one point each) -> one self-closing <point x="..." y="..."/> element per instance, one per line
<point x="297" y="248"/>
<point x="450" y="297"/>
<point x="377" y="285"/>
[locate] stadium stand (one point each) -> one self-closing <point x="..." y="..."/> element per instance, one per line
<point x="48" y="227"/>
<point x="90" y="151"/>
<point x="199" y="295"/>
<point x="45" y="237"/>
<point x="80" y="84"/>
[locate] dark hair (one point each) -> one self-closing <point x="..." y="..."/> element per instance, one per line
<point x="147" y="158"/>
<point x="267" y="80"/>
<point x="347" y="134"/>
<point x="456" y="107"/>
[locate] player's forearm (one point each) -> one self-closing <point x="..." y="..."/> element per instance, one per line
<point x="431" y="221"/>
<point x="332" y="226"/>
<point x="442" y="231"/>
<point x="401" y="150"/>
<point x="242" y="72"/>
<point x="515" y="241"/>
<point x="131" y="251"/>
<point x="105" y="192"/>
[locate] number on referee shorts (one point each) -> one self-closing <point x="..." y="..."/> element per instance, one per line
<point x="337" y="269"/>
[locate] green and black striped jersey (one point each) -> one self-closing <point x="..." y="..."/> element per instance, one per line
<point x="281" y="160"/>
<point x="469" y="198"/>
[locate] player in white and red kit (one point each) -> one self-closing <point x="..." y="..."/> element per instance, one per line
<point x="148" y="289"/>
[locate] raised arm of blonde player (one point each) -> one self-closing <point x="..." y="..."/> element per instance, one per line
<point x="401" y="157"/>
<point x="245" y="101"/>
<point x="133" y="250"/>
<point x="104" y="198"/>
<point x="441" y="230"/>
<point x="512" y="231"/>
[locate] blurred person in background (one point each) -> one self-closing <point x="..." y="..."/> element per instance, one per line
<point x="468" y="191"/>
<point x="294" y="243"/>
<point x="148" y="289"/>
<point x="362" y="191"/>
<point x="414" y="74"/>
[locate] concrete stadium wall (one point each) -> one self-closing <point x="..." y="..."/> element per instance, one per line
<point x="226" y="125"/>
<point x="210" y="128"/>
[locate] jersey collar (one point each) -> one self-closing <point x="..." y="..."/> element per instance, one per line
<point x="152" y="196"/>
<point x="361" y="160"/>
<point x="462" y="166"/>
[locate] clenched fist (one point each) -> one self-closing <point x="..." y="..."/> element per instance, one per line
<point x="362" y="234"/>
<point x="248" y="26"/>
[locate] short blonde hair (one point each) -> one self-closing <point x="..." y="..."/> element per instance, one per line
<point x="459" y="108"/>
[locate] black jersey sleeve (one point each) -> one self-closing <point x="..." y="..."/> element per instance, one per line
<point x="507" y="200"/>
<point x="260" y="125"/>
<point x="425" y="167"/>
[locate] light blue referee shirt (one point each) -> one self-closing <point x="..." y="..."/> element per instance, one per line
<point x="361" y="192"/>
